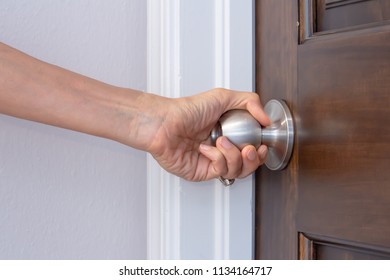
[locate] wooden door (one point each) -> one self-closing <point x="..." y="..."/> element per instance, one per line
<point x="330" y="61"/>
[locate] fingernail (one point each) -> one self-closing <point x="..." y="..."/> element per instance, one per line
<point x="226" y="143"/>
<point x="263" y="153"/>
<point x="251" y="155"/>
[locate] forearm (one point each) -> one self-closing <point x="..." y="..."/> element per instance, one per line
<point x="37" y="91"/>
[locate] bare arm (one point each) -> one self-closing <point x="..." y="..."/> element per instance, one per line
<point x="34" y="90"/>
<point x="174" y="131"/>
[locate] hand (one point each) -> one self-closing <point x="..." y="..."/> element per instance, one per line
<point x="181" y="143"/>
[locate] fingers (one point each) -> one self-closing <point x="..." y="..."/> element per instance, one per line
<point x="252" y="159"/>
<point x="229" y="162"/>
<point x="217" y="165"/>
<point x="244" y="100"/>
<point x="225" y="159"/>
<point x="232" y="157"/>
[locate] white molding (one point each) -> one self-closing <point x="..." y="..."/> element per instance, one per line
<point x="222" y="79"/>
<point x="163" y="200"/>
<point x="185" y="56"/>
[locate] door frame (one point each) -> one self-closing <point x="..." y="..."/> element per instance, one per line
<point x="186" y="56"/>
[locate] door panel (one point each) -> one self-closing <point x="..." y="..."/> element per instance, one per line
<point x="344" y="154"/>
<point x="323" y="248"/>
<point x="333" y="200"/>
<point x="336" y="14"/>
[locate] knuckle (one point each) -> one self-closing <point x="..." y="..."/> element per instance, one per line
<point x="234" y="168"/>
<point x="219" y="90"/>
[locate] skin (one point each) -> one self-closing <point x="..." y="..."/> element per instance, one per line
<point x="175" y="131"/>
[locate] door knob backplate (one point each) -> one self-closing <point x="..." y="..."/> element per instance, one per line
<point x="279" y="136"/>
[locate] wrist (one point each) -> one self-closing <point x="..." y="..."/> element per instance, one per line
<point x="139" y="117"/>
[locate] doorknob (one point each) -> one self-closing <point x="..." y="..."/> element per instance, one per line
<point x="242" y="129"/>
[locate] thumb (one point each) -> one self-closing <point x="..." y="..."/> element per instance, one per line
<point x="249" y="101"/>
<point x="257" y="111"/>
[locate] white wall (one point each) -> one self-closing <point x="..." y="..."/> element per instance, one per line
<point x="66" y="195"/>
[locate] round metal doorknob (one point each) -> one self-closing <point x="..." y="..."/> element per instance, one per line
<point x="242" y="129"/>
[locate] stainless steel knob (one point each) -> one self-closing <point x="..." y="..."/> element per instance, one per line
<point x="242" y="129"/>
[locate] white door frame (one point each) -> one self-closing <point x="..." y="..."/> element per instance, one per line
<point x="193" y="46"/>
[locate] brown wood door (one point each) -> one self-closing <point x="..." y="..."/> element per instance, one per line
<point x="330" y="61"/>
